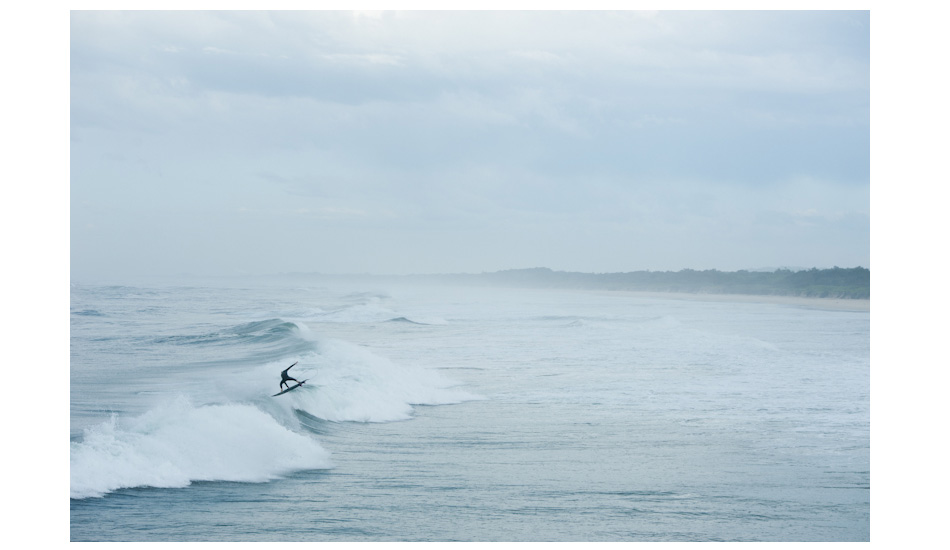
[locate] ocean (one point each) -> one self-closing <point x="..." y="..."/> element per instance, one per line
<point x="436" y="413"/>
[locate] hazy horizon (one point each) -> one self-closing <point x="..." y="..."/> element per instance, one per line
<point x="541" y="267"/>
<point x="185" y="278"/>
<point x="393" y="143"/>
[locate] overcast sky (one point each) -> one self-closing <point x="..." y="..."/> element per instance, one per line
<point x="423" y="142"/>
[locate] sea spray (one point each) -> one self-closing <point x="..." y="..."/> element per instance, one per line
<point x="224" y="424"/>
<point x="178" y="443"/>
<point x="346" y="382"/>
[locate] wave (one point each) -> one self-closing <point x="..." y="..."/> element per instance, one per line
<point x="88" y="313"/>
<point x="403" y="320"/>
<point x="254" y="341"/>
<point x="263" y="332"/>
<point x="369" y="312"/>
<point x="226" y="426"/>
<point x="365" y="308"/>
<point x="359" y="385"/>
<point x="178" y="443"/>
<point x="241" y="432"/>
<point x="347" y="383"/>
<point x="368" y="295"/>
<point x="418" y="321"/>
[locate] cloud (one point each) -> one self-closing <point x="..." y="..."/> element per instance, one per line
<point x="604" y="131"/>
<point x="333" y="213"/>
<point x="364" y="59"/>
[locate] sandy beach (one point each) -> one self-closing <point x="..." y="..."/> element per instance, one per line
<point x="841" y="304"/>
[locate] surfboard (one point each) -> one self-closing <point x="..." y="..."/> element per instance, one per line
<point x="291" y="388"/>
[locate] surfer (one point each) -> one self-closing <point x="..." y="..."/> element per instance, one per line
<point x="284" y="377"/>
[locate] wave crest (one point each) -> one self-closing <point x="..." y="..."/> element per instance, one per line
<point x="178" y="443"/>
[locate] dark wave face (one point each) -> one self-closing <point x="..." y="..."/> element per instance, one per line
<point x="258" y="332"/>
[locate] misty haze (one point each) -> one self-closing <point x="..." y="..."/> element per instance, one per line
<point x="469" y="276"/>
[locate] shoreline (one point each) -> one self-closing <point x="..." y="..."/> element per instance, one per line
<point x="837" y="304"/>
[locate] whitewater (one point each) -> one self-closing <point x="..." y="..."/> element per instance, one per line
<point x="463" y="414"/>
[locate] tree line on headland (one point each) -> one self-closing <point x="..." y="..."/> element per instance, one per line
<point x="836" y="282"/>
<point x="819" y="283"/>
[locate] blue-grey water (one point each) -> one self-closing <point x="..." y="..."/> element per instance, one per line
<point x="463" y="414"/>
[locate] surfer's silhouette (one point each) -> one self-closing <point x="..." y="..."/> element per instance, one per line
<point x="284" y="377"/>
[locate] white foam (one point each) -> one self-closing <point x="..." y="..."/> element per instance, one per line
<point x="178" y="443"/>
<point x="351" y="383"/>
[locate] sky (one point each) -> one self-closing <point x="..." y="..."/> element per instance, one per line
<point x="235" y="143"/>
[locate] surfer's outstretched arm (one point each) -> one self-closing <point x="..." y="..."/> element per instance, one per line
<point x="283" y="373"/>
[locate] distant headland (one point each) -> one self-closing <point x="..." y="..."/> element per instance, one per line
<point x="837" y="282"/>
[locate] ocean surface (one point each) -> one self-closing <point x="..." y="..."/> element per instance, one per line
<point x="463" y="414"/>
